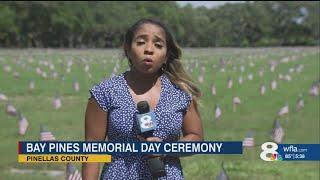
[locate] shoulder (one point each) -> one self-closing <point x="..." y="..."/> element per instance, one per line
<point x="105" y="91"/>
<point x="176" y="92"/>
<point x="111" y="83"/>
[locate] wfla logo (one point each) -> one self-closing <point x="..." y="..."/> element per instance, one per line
<point x="269" y="148"/>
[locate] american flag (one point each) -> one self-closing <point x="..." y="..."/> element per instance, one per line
<point x="54" y="74"/>
<point x="261" y="73"/>
<point x="203" y="69"/>
<point x="86" y="68"/>
<point x="277" y="132"/>
<point x="3" y="97"/>
<point x="242" y="68"/>
<point x="314" y="90"/>
<point x="115" y="69"/>
<point x="300" y="103"/>
<point x="76" y="86"/>
<point x="70" y="62"/>
<point x="280" y="76"/>
<point x="234" y="68"/>
<point x="16" y="74"/>
<point x="291" y="70"/>
<point x="44" y="75"/>
<point x="236" y="100"/>
<point x="31" y="85"/>
<point x="213" y="90"/>
<point x="287" y="77"/>
<point x="51" y="67"/>
<point x="218" y="112"/>
<point x="248" y="140"/>
<point x="229" y="82"/>
<point x="262" y="89"/>
<point x="6" y="68"/>
<point x="240" y="80"/>
<point x="222" y="62"/>
<point x="72" y="173"/>
<point x="11" y="110"/>
<point x="38" y="71"/>
<point x="223" y="174"/>
<point x="284" y="110"/>
<point x="200" y="78"/>
<point x="89" y="75"/>
<point x="273" y="84"/>
<point x="299" y="68"/>
<point x="23" y="124"/>
<point x="68" y="70"/>
<point x="272" y="68"/>
<point x="46" y="135"/>
<point x="56" y="102"/>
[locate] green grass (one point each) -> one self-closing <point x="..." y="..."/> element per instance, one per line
<point x="256" y="113"/>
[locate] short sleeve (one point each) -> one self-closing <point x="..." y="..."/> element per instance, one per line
<point x="187" y="100"/>
<point x="181" y="99"/>
<point x="101" y="95"/>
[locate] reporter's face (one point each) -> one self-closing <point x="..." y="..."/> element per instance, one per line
<point x="148" y="49"/>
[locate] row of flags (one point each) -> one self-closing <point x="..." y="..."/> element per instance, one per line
<point x="273" y="83"/>
<point x="72" y="172"/>
<point x="12" y="111"/>
<point x="47" y="69"/>
<point x="313" y="91"/>
<point x="277" y="132"/>
<point x="75" y="86"/>
<point x="277" y="135"/>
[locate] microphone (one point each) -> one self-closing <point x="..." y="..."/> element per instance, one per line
<point x="146" y="119"/>
<point x="147" y="124"/>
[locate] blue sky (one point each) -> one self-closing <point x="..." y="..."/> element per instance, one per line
<point x="208" y="4"/>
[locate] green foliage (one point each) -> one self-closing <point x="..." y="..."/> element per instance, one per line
<point x="103" y="24"/>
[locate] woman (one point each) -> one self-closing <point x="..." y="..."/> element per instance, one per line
<point x="156" y="75"/>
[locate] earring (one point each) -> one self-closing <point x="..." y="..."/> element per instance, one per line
<point x="164" y="67"/>
<point x="129" y="63"/>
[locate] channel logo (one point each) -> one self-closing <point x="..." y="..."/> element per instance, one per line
<point x="269" y="152"/>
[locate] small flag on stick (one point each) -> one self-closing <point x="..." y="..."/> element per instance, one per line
<point x="72" y="173"/>
<point x="46" y="135"/>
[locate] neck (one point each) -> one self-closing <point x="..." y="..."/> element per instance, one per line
<point x="139" y="77"/>
<point x="140" y="81"/>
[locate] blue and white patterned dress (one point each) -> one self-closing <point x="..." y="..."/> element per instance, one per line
<point x="113" y="96"/>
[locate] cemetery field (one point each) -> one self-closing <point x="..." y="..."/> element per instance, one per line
<point x="57" y="73"/>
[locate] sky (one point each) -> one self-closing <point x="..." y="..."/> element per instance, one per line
<point x="208" y="4"/>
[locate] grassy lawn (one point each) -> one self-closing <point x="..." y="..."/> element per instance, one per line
<point x="256" y="113"/>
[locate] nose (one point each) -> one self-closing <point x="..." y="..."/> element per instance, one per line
<point x="148" y="49"/>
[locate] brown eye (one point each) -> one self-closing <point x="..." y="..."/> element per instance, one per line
<point x="158" y="46"/>
<point x="140" y="43"/>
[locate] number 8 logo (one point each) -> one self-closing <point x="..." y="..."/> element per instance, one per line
<point x="266" y="150"/>
<point x="146" y="121"/>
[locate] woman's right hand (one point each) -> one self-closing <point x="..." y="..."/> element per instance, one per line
<point x="152" y="139"/>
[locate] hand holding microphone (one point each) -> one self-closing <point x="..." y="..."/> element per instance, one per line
<point x="151" y="139"/>
<point x="147" y="124"/>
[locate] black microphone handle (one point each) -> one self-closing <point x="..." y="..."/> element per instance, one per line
<point x="156" y="167"/>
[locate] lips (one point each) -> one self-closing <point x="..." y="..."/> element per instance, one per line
<point x="148" y="60"/>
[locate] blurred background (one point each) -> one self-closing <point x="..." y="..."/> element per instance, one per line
<point x="256" y="63"/>
<point x="102" y="24"/>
